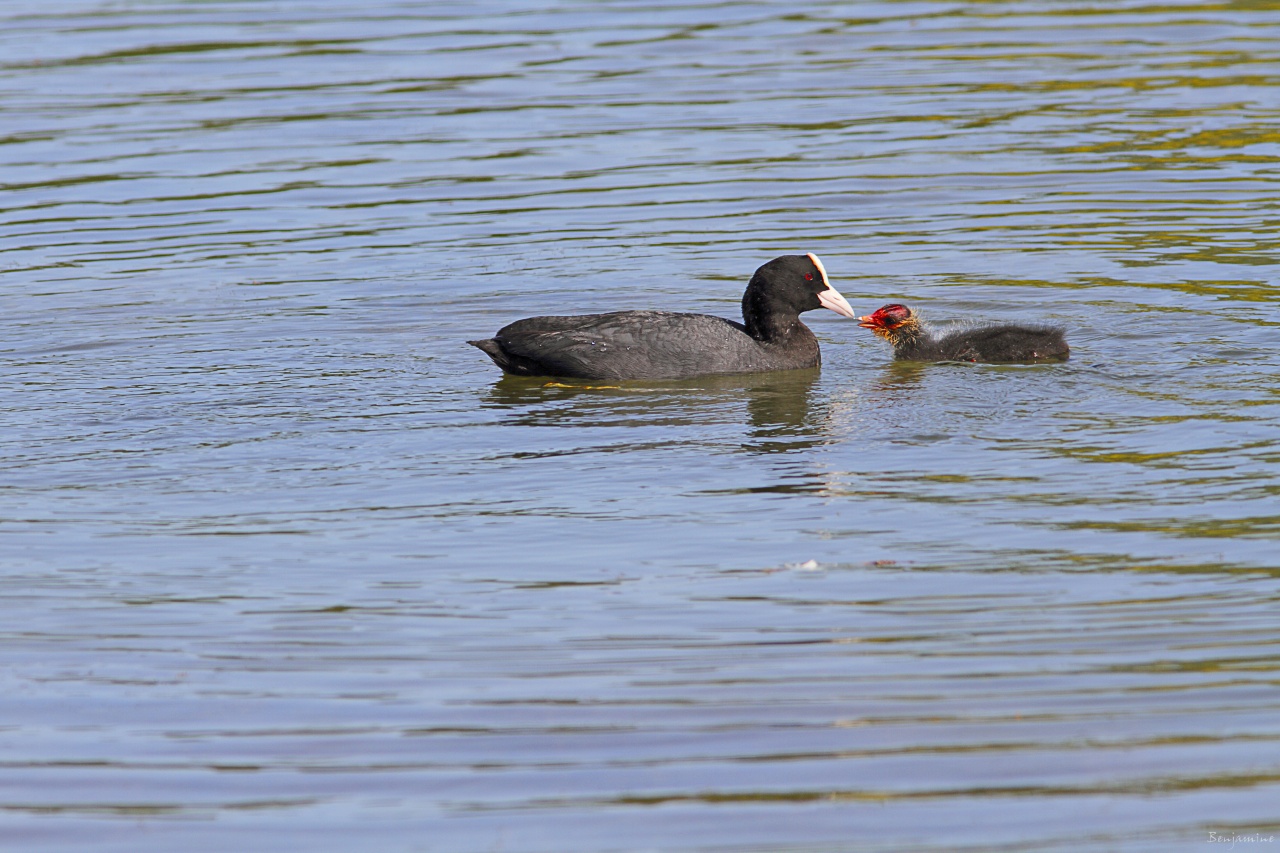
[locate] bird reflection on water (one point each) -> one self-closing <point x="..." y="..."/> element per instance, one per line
<point x="787" y="413"/>
<point x="782" y="410"/>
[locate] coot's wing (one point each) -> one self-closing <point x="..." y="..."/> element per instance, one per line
<point x="631" y="345"/>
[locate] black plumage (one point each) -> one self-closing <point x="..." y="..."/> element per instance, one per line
<point x="992" y="343"/>
<point x="667" y="345"/>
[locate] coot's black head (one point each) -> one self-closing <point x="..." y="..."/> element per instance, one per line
<point x="786" y="287"/>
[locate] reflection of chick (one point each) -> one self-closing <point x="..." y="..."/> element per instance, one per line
<point x="1002" y="342"/>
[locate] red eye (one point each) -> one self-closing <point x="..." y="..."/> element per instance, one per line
<point x="808" y="276"/>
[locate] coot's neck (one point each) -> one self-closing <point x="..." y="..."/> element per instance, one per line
<point x="767" y="318"/>
<point x="908" y="337"/>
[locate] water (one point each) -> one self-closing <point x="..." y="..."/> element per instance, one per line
<point x="286" y="563"/>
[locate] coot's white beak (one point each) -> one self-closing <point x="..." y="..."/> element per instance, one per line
<point x="831" y="298"/>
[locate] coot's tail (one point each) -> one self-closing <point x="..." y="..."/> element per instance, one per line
<point x="508" y="362"/>
<point x="493" y="349"/>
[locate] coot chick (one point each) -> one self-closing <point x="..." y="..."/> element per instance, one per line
<point x="667" y="345"/>
<point x="1002" y="342"/>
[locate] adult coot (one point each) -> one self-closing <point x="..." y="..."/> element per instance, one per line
<point x="666" y="345"/>
<point x="1003" y="342"/>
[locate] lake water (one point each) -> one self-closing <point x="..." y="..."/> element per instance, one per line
<point x="288" y="565"/>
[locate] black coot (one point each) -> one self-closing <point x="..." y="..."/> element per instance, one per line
<point x="1002" y="342"/>
<point x="666" y="345"/>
